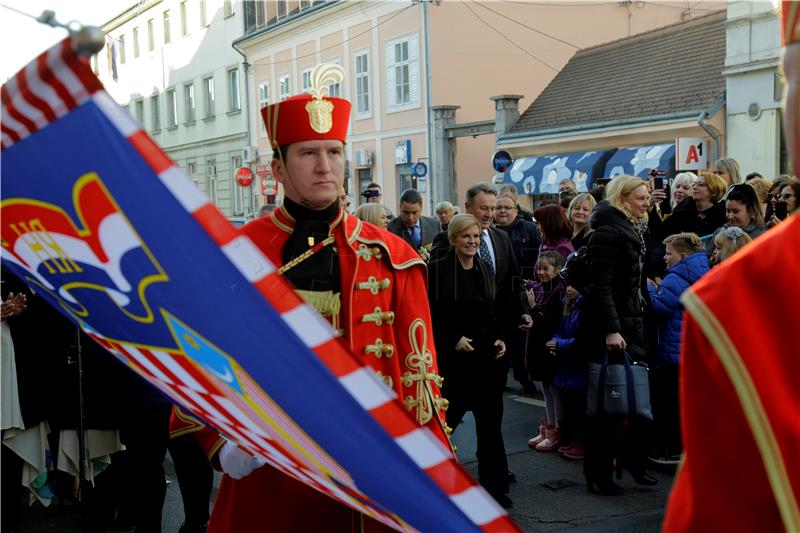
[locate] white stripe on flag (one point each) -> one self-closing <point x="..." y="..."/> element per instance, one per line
<point x="309" y="325"/>
<point x="44" y="91"/>
<point x="182" y="188"/>
<point x="478" y="505"/>
<point x="145" y="362"/>
<point x="18" y="101"/>
<point x="423" y="448"/>
<point x="12" y="124"/>
<point x="63" y="73"/>
<point x="122" y="120"/>
<point x="369" y="391"/>
<point x="178" y="371"/>
<point x="248" y="259"/>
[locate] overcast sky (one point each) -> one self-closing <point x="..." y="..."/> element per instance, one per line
<point x="22" y="38"/>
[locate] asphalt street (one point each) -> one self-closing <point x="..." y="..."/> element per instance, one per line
<point x="549" y="494"/>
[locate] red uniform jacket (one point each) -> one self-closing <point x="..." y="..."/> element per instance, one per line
<point x="740" y="393"/>
<point x="385" y="321"/>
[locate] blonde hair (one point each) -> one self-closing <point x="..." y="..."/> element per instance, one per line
<point x="732" y="168"/>
<point x="621" y="187"/>
<point x="371" y="213"/>
<point x="717" y="186"/>
<point x="680" y="179"/>
<point x="762" y="187"/>
<point x="460" y="223"/>
<point x="730" y="240"/>
<point x="685" y="243"/>
<point x="578" y="200"/>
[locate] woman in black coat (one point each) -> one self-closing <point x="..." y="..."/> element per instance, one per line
<point x="468" y="346"/>
<point x="702" y="213"/>
<point x="615" y="302"/>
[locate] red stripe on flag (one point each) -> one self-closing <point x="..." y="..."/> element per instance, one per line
<point x="501" y="524"/>
<point x="336" y="358"/>
<point x="35" y="101"/>
<point x="11" y="133"/>
<point x="217" y="226"/>
<point x="450" y="477"/>
<point x="79" y="65"/>
<point x="278" y="293"/>
<point x="393" y="420"/>
<point x="150" y="151"/>
<point x="47" y="76"/>
<point x="11" y="110"/>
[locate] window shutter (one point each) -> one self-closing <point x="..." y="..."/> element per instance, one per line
<point x="390" y="81"/>
<point x="413" y="70"/>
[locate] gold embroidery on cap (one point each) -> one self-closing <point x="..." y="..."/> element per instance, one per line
<point x="320" y="111"/>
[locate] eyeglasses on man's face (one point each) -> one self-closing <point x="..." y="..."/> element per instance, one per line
<point x="785" y="196"/>
<point x="504" y="208"/>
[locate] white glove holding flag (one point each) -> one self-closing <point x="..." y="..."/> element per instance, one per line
<point x="236" y="462"/>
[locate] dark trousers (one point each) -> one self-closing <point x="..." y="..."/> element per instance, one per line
<point x="11" y="502"/>
<point x="573" y="408"/>
<point x="487" y="408"/>
<point x="515" y="351"/>
<point x="195" y="478"/>
<point x="608" y="438"/>
<point x="666" y="408"/>
<point x="143" y="485"/>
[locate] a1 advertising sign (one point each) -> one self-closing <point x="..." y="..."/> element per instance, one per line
<point x="691" y="153"/>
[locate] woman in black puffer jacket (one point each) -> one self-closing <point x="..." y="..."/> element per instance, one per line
<point x="614" y="300"/>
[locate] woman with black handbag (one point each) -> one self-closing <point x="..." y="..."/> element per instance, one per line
<point x="615" y="299"/>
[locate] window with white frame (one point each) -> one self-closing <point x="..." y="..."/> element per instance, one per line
<point x="172" y="108"/>
<point x="208" y="90"/>
<point x="261" y="14"/>
<point x="306" y="80"/>
<point x="184" y="19"/>
<point x="362" y="83"/>
<point x="281" y="8"/>
<point x="305" y="4"/>
<point x="121" y="45"/>
<point x="239" y="192"/>
<point x="233" y="90"/>
<point x="167" y="27"/>
<point x="151" y="38"/>
<point x="189" y="103"/>
<point x="155" y="113"/>
<point x="203" y="14"/>
<point x="263" y="101"/>
<point x="228" y="8"/>
<point x="335" y="89"/>
<point x="136" y="42"/>
<point x="285" y="89"/>
<point x="211" y="179"/>
<point x="191" y="169"/>
<point x="402" y="65"/>
<point x="139" y="107"/>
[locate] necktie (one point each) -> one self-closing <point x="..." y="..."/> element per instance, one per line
<point x="483" y="250"/>
<point x="416" y="237"/>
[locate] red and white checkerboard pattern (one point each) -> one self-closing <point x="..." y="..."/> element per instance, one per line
<point x="58" y="81"/>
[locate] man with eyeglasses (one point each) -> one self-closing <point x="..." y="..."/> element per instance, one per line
<point x="739" y="397"/>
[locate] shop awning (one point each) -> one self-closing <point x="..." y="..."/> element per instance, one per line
<point x="541" y="174"/>
<point x="640" y="160"/>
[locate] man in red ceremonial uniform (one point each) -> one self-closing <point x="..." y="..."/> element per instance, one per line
<point x="369" y="283"/>
<point x="740" y="400"/>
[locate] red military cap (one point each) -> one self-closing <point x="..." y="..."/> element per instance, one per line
<point x="313" y="116"/>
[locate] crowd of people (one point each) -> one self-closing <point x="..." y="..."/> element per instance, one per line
<point x="498" y="301"/>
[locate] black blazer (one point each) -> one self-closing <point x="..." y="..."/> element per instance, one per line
<point x="429" y="227"/>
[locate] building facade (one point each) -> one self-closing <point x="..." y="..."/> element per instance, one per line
<point x="171" y="65"/>
<point x="476" y="50"/>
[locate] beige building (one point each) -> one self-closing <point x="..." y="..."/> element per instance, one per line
<point x="476" y="50"/>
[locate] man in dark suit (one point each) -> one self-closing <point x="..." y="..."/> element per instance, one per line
<point x="416" y="229"/>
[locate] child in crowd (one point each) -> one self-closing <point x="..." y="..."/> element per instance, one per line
<point x="686" y="263"/>
<point x="544" y="299"/>
<point x="571" y="377"/>
<point x="727" y="242"/>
